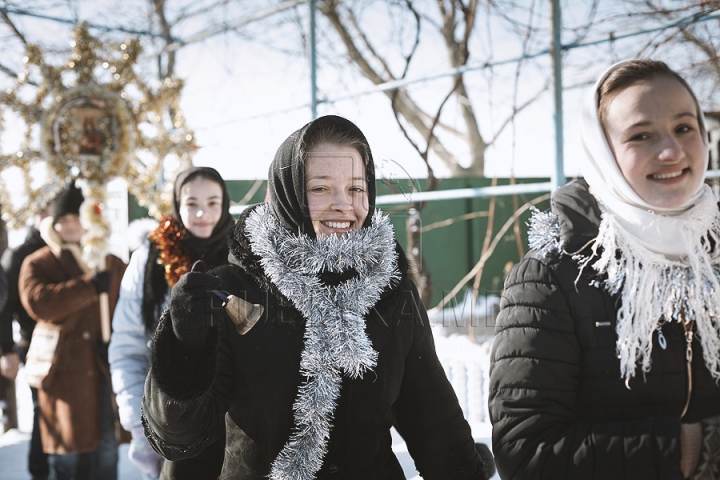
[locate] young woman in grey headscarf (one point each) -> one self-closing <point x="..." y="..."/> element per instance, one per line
<point x="198" y="228"/>
<point x="343" y="350"/>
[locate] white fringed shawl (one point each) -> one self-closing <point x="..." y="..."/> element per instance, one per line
<point x="655" y="288"/>
<point x="664" y="263"/>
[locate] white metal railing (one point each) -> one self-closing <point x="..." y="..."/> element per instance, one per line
<point x="467" y="366"/>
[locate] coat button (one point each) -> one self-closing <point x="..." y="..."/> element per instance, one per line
<point x="86" y="335"/>
<point x="333" y="468"/>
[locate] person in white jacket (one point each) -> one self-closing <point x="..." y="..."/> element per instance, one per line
<point x="198" y="229"/>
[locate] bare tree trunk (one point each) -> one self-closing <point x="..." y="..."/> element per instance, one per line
<point x="403" y="104"/>
<point x="169" y="70"/>
<point x="418" y="270"/>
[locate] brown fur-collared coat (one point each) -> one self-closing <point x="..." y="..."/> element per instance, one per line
<point x="54" y="287"/>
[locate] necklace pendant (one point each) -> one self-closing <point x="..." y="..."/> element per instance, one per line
<point x="661" y="340"/>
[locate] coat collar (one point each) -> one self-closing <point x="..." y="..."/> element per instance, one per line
<point x="56" y="245"/>
<point x="242" y="257"/>
<point x="578" y="215"/>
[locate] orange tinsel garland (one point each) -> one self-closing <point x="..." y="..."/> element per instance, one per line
<point x="174" y="256"/>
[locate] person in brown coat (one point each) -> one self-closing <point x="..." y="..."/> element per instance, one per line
<point x="77" y="420"/>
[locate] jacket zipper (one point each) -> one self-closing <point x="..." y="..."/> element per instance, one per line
<point x="688" y="361"/>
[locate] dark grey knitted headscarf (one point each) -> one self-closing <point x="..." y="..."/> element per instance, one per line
<point x="286" y="178"/>
<point x="212" y="250"/>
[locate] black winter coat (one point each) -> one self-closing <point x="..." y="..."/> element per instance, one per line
<point x="255" y="379"/>
<point x="558" y="405"/>
<point x="13" y="310"/>
<point x="3" y="288"/>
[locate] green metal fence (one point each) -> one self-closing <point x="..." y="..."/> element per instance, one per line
<point x="453" y="231"/>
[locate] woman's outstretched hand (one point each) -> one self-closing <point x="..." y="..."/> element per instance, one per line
<point x="142" y="454"/>
<point x="193" y="306"/>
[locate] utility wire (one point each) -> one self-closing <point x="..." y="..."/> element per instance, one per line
<point x="224" y="28"/>
<point x="17" y="11"/>
<point x="395" y="84"/>
<point x="384" y="87"/>
<point x="174" y="43"/>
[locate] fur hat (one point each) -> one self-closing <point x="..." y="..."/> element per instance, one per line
<point x="67" y="201"/>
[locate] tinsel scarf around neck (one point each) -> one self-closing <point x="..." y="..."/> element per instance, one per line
<point x="653" y="287"/>
<point x="173" y="255"/>
<point x="335" y="341"/>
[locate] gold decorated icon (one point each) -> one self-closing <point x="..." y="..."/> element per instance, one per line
<point x="94" y="117"/>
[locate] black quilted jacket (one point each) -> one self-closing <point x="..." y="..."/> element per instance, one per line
<point x="13" y="309"/>
<point x="558" y="405"/>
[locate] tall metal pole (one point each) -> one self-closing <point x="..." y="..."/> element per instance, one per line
<point x="313" y="62"/>
<point x="558" y="177"/>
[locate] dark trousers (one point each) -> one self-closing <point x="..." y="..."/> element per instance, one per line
<point x="37" y="459"/>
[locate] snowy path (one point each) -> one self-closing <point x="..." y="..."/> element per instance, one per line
<point x="14" y="444"/>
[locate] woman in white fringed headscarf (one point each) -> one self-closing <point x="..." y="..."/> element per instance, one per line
<point x="607" y="355"/>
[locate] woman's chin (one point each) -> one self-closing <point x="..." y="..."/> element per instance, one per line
<point x="203" y="234"/>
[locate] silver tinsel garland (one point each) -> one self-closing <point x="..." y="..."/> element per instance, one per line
<point x="544" y="232"/>
<point x="335" y="342"/>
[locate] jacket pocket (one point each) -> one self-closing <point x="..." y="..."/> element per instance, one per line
<point x="242" y="455"/>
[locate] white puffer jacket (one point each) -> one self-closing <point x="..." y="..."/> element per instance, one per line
<point x="129" y="352"/>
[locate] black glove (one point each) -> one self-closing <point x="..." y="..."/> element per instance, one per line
<point x="193" y="306"/>
<point x="101" y="280"/>
<point x="102" y="351"/>
<point x="487" y="458"/>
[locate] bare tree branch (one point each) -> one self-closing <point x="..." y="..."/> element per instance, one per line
<point x="519" y="109"/>
<point x="459" y="54"/>
<point x="450" y="221"/>
<point x="371" y="49"/>
<point x="12" y="26"/>
<point x="483" y="258"/>
<point x="165" y="30"/>
<point x="486" y="244"/>
<point x="401" y="101"/>
<point x="10" y="73"/>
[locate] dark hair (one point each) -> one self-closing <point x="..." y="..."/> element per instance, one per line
<point x="333" y="134"/>
<point x="629" y="73"/>
<point x="212" y="250"/>
<point x="200" y="174"/>
<point x="193" y="173"/>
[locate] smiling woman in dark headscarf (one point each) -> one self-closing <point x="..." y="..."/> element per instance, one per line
<point x="286" y="179"/>
<point x="198" y="228"/>
<point x="342" y="352"/>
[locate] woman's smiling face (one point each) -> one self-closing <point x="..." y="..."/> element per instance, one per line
<point x="653" y="129"/>
<point x="336" y="189"/>
<point x="201" y="206"/>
